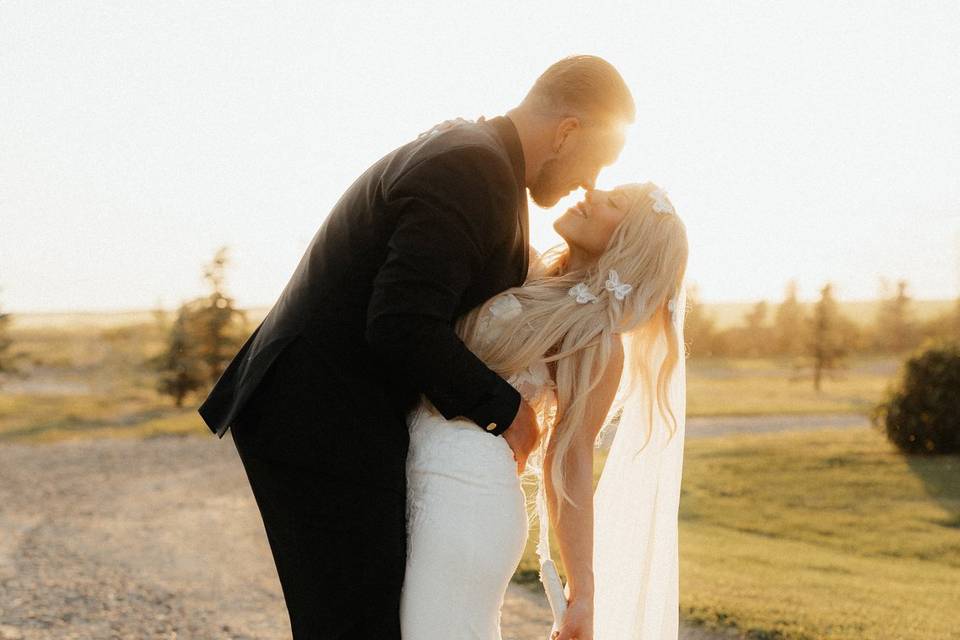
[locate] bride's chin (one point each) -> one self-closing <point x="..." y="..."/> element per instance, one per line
<point x="561" y="226"/>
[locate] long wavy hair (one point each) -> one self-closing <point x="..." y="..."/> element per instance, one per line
<point x="648" y="250"/>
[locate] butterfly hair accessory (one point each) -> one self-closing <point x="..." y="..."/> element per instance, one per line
<point x="613" y="284"/>
<point x="581" y="292"/>
<point x="661" y="204"/>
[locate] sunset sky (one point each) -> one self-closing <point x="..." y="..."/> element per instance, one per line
<point x="809" y="140"/>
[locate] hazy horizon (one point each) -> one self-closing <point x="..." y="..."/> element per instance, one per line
<point x="804" y="140"/>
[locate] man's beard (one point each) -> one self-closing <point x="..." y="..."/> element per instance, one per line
<point x="544" y="191"/>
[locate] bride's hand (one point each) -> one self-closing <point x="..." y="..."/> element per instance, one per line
<point x="577" y="622"/>
<point x="523" y="434"/>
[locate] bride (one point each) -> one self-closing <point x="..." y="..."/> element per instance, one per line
<point x="597" y="327"/>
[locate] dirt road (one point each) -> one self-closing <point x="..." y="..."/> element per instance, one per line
<point x="151" y="539"/>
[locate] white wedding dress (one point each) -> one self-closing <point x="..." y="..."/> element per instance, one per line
<point x="467" y="521"/>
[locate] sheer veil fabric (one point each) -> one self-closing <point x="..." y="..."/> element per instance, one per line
<point x="636" y="506"/>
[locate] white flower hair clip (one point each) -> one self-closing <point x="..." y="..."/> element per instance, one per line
<point x="619" y="289"/>
<point x="661" y="204"/>
<point x="582" y="293"/>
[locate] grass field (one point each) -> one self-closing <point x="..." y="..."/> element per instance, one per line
<point x="758" y="386"/>
<point x="823" y="534"/>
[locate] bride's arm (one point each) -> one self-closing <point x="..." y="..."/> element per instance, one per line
<point x="574" y="527"/>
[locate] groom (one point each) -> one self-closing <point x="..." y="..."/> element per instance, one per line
<point x="317" y="395"/>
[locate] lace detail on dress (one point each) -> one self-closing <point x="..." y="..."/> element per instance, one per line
<point x="534" y="381"/>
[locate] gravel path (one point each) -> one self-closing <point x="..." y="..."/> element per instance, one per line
<point x="156" y="538"/>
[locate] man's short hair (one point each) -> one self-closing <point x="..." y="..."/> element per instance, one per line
<point x="585" y="86"/>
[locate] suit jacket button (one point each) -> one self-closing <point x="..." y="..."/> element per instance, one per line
<point x="491" y="426"/>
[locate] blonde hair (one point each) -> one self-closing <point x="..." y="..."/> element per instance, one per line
<point x="649" y="251"/>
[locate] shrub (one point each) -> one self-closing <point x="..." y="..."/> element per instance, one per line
<point x="921" y="413"/>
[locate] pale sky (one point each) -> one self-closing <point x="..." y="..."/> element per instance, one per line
<point x="809" y="140"/>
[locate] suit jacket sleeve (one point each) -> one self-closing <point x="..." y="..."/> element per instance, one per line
<point x="452" y="209"/>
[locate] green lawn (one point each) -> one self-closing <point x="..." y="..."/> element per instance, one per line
<point x="52" y="417"/>
<point x="822" y="534"/>
<point x="759" y="386"/>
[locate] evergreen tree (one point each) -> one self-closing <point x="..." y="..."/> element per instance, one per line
<point x="205" y="336"/>
<point x="220" y="325"/>
<point x="789" y="323"/>
<point x="827" y="336"/>
<point x="955" y="324"/>
<point x="895" y="328"/>
<point x="8" y="359"/>
<point x="756" y="335"/>
<point x="181" y="370"/>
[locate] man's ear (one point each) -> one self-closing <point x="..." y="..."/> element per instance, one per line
<point x="565" y="128"/>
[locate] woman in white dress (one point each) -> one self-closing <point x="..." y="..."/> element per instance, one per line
<point x="595" y="316"/>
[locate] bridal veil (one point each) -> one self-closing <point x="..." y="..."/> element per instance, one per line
<point x="636" y="508"/>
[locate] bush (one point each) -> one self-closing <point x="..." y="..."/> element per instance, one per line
<point x="922" y="412"/>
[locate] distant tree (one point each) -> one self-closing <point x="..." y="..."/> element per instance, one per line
<point x="895" y="328"/>
<point x="789" y="325"/>
<point x="757" y="335"/>
<point x="944" y="326"/>
<point x="8" y="359"/>
<point x="203" y="339"/>
<point x="953" y="323"/>
<point x="956" y="321"/>
<point x="699" y="329"/>
<point x="220" y="326"/>
<point x="826" y="345"/>
<point x="181" y="369"/>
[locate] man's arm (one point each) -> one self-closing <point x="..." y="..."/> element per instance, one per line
<point x="450" y="216"/>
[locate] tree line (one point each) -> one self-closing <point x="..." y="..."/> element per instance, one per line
<point x="820" y="338"/>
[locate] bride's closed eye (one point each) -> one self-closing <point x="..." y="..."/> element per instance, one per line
<point x="615" y="201"/>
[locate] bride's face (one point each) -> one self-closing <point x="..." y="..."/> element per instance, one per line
<point x="590" y="223"/>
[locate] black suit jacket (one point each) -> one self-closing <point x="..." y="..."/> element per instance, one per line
<point x="365" y="323"/>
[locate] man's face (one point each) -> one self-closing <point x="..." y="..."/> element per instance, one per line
<point x="581" y="152"/>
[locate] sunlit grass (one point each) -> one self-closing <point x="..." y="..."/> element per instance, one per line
<point x="50" y="418"/>
<point x="759" y="386"/>
<point x="821" y="534"/>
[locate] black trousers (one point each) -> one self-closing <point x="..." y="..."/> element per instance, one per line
<point x="339" y="544"/>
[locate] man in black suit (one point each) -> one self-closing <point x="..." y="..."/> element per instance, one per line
<point x="317" y="396"/>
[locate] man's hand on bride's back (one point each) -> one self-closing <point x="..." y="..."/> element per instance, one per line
<point x="523" y="434"/>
